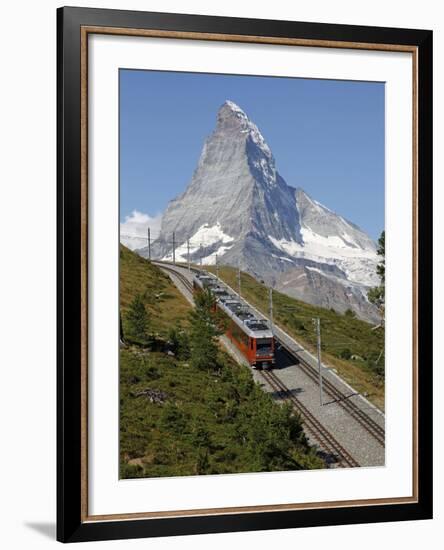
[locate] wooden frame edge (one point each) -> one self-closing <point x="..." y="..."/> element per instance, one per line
<point x="252" y="39"/>
<point x="84" y="271"/>
<point x="415" y="280"/>
<point x="199" y="512"/>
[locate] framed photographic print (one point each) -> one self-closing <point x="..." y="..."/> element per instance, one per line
<point x="244" y="274"/>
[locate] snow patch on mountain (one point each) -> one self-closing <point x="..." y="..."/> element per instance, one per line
<point x="329" y="239"/>
<point x="318" y="246"/>
<point x="249" y="127"/>
<point x="218" y="253"/>
<point x="359" y="265"/>
<point x="283" y="258"/>
<point x="205" y="237"/>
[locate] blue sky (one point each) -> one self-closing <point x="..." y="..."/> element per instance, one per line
<point x="327" y="137"/>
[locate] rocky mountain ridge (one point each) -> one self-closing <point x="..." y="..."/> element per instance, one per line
<point x="239" y="210"/>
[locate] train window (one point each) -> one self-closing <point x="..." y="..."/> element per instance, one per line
<point x="264" y="346"/>
<point x="260" y="344"/>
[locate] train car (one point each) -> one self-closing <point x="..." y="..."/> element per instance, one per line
<point x="203" y="282"/>
<point x="252" y="336"/>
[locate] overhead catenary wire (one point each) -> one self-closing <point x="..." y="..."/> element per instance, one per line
<point x="198" y="246"/>
<point x="179" y="242"/>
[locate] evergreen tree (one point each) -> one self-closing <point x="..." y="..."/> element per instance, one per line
<point x="137" y="321"/>
<point x="381" y="252"/>
<point x="376" y="295"/>
<point x="204" y="332"/>
<point x="179" y="342"/>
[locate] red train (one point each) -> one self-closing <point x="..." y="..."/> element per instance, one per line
<point x="252" y="336"/>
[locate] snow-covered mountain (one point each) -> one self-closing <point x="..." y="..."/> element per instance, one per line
<point x="237" y="207"/>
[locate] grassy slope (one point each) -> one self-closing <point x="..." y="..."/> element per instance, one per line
<point x="164" y="302"/>
<point x="338" y="332"/>
<point x="209" y="422"/>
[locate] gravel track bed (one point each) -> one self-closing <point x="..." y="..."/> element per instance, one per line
<point x="349" y="433"/>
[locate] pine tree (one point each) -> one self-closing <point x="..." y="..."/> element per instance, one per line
<point x="179" y="342"/>
<point x="381" y="252"/>
<point x="376" y="295"/>
<point x="204" y="331"/>
<point x="137" y="321"/>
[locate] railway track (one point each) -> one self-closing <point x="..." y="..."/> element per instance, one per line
<point x="186" y="283"/>
<point x="326" y="440"/>
<point x="313" y="425"/>
<point x="370" y="425"/>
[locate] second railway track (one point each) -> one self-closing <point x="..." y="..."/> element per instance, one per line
<point x="326" y="440"/>
<point x="370" y="425"/>
<point x="185" y="282"/>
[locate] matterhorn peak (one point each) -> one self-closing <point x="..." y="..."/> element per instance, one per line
<point x="238" y="208"/>
<point x="234" y="107"/>
<point x="232" y="118"/>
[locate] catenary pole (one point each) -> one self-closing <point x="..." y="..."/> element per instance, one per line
<point x="174" y="248"/>
<point x="188" y="254"/>
<point x="317" y="322"/>
<point x="149" y="244"/>
<point x="270" y="295"/>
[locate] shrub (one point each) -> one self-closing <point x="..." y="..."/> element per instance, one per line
<point x="129" y="471"/>
<point x="137" y="321"/>
<point x="180" y="343"/>
<point x="172" y="418"/>
<point x="349" y="313"/>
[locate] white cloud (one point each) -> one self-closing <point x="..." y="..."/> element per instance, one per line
<point x="134" y="230"/>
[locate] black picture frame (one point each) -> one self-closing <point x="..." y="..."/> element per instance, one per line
<point x="71" y="526"/>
